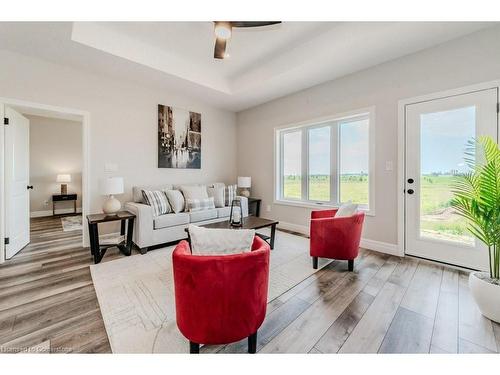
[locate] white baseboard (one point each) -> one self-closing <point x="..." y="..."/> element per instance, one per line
<point x="302" y="229"/>
<point x="381" y="247"/>
<point x="59" y="211"/>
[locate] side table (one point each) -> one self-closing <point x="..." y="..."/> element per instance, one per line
<point x="126" y="218"/>
<point x="63" y="198"/>
<point x="254" y="206"/>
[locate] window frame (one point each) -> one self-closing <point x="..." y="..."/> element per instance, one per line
<point x="334" y="122"/>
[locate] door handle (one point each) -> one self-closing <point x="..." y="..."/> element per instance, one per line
<point x="410" y="191"/>
<point x="411" y="181"/>
<point x="29" y="187"/>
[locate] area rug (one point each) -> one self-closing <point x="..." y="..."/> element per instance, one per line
<point x="136" y="294"/>
<point x="71" y="223"/>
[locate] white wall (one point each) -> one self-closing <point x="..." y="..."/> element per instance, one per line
<point x="55" y="147"/>
<point x="123" y="123"/>
<point x="469" y="60"/>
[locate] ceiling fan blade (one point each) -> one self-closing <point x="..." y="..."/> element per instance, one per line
<point x="253" y="24"/>
<point x="220" y="48"/>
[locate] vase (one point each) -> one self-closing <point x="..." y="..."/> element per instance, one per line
<point x="486" y="294"/>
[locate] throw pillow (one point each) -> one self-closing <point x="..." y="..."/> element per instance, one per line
<point x="158" y="200"/>
<point x="218" y="194"/>
<point x="206" y="241"/>
<point x="347" y="209"/>
<point x="176" y="200"/>
<point x="230" y="194"/>
<point x="193" y="205"/>
<point x="194" y="191"/>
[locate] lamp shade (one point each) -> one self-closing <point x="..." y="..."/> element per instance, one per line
<point x="244" y="182"/>
<point x="111" y="185"/>
<point x="63" y="178"/>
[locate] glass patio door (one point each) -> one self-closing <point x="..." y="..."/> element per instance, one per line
<point x="436" y="135"/>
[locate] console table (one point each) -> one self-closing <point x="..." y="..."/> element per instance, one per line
<point x="126" y="218"/>
<point x="63" y="198"/>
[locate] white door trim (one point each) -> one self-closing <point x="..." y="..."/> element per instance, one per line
<point x="401" y="143"/>
<point x="85" y="118"/>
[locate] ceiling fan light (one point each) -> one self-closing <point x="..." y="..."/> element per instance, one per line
<point x="222" y="30"/>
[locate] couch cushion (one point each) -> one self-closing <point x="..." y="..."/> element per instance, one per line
<point x="197" y="216"/>
<point x="230" y="194"/>
<point x="137" y="191"/>
<point x="176" y="200"/>
<point x="158" y="200"/>
<point x="194" y="192"/>
<point x="171" y="220"/>
<point x="218" y="185"/>
<point x="223" y="212"/>
<point x="218" y="194"/>
<point x="193" y="205"/>
<point x="205" y="241"/>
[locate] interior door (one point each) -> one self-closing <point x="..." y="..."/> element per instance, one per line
<point x="17" y="223"/>
<point x="436" y="135"/>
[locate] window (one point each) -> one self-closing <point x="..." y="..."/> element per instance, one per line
<point x="292" y="168"/>
<point x="327" y="162"/>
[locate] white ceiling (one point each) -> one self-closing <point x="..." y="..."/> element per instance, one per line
<point x="264" y="63"/>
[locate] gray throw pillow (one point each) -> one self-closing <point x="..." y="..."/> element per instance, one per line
<point x="194" y="191"/>
<point x="158" y="200"/>
<point x="176" y="200"/>
<point x="218" y="194"/>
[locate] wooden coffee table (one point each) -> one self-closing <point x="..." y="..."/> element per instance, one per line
<point x="250" y="222"/>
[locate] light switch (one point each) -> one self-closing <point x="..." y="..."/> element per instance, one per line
<point x="110" y="167"/>
<point x="389" y="165"/>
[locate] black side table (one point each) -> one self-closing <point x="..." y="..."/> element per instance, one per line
<point x="125" y="246"/>
<point x="254" y="206"/>
<point x="63" y="198"/>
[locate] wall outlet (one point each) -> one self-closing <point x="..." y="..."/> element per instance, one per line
<point x="268" y="208"/>
<point x="45" y="202"/>
<point x="389" y="166"/>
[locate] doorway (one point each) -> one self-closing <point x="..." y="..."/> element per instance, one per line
<point x="436" y="134"/>
<point x="18" y="185"/>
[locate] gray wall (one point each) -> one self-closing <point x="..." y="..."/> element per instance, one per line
<point x="55" y="147"/>
<point x="123" y="123"/>
<point x="469" y="60"/>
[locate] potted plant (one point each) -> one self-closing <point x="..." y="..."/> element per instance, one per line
<point x="477" y="198"/>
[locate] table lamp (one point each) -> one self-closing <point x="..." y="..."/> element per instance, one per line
<point x="245" y="183"/>
<point x="63" y="178"/>
<point x="111" y="186"/>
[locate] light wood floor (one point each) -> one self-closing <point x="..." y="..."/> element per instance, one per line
<point x="47" y="299"/>
<point x="388" y="305"/>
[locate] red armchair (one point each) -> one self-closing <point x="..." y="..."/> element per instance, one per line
<point x="335" y="238"/>
<point x="221" y="299"/>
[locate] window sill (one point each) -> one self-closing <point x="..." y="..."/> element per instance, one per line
<point x="368" y="212"/>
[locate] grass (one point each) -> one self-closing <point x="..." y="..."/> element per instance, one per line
<point x="437" y="218"/>
<point x="352" y="187"/>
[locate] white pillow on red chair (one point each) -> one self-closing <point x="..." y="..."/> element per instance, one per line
<point x="347" y="209"/>
<point x="207" y="241"/>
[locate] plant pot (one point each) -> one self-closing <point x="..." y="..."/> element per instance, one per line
<point x="486" y="294"/>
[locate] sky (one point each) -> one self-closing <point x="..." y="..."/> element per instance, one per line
<point x="443" y="137"/>
<point x="353" y="151"/>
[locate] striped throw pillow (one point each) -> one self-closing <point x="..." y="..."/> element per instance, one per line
<point x="230" y="194"/>
<point x="194" y="205"/>
<point x="158" y="200"/>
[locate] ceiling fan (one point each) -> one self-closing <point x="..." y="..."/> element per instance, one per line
<point x="223" y="31"/>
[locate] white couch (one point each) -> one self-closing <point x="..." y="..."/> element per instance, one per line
<point x="150" y="230"/>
